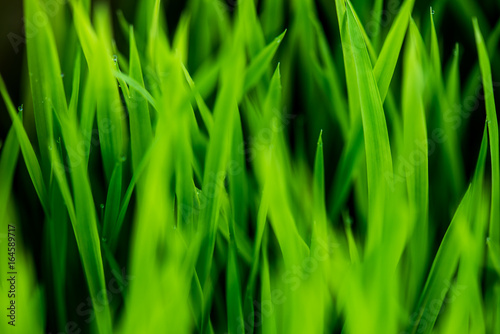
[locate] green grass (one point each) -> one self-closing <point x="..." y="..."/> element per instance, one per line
<point x="261" y="167"/>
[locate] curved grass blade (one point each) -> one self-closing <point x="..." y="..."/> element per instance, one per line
<point x="259" y="65"/>
<point x="449" y="252"/>
<point x="442" y="270"/>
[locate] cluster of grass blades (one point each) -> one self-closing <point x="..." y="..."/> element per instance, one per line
<point x="264" y="167"/>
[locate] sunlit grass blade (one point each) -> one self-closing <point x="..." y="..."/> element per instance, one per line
<point x="272" y="101"/>
<point x="218" y="154"/>
<point x="181" y="38"/>
<point x="378" y="152"/>
<point x="45" y="79"/>
<point x="29" y="294"/>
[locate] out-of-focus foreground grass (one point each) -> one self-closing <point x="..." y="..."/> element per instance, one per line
<point x="261" y="166"/>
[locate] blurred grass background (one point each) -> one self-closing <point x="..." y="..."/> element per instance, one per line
<point x="310" y="110"/>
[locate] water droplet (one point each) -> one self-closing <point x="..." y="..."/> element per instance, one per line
<point x="104" y="239"/>
<point x="20" y="108"/>
<point x="488" y="240"/>
<point x="175" y="227"/>
<point x="62" y="75"/>
<point x="50" y="147"/>
<point x="433" y="11"/>
<point x="123" y="158"/>
<point x="102" y="206"/>
<point x="59" y="140"/>
<point x="115" y="58"/>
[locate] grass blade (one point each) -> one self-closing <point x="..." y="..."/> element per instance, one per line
<point x="29" y="155"/>
<point x="492" y="121"/>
